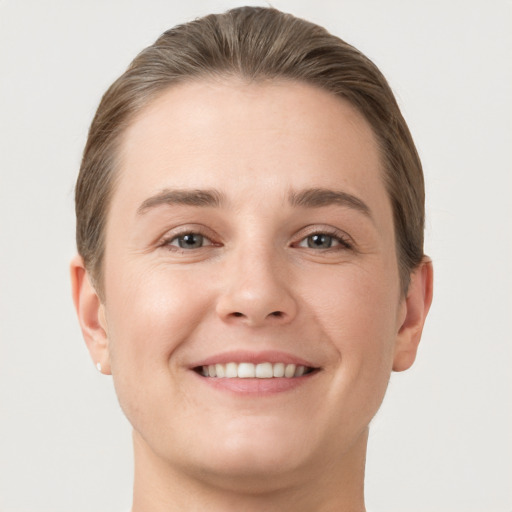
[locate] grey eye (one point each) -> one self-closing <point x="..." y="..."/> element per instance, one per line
<point x="189" y="241"/>
<point x="319" y="241"/>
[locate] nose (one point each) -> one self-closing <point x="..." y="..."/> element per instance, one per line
<point x="257" y="290"/>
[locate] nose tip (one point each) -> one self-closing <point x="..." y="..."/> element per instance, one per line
<point x="255" y="301"/>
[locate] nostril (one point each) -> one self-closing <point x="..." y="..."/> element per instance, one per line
<point x="277" y="314"/>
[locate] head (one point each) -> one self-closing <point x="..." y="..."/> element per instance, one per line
<point x="250" y="199"/>
<point x="252" y="44"/>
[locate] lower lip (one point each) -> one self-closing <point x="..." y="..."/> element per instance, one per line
<point x="256" y="386"/>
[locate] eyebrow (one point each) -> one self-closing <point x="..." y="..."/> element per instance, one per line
<point x="319" y="197"/>
<point x="212" y="198"/>
<point x="194" y="197"/>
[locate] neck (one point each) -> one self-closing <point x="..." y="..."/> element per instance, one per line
<point x="335" y="486"/>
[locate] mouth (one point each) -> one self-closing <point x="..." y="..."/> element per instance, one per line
<point x="247" y="370"/>
<point x="256" y="374"/>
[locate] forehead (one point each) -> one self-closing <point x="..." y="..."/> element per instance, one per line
<point x="272" y="135"/>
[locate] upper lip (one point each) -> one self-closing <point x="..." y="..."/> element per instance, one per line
<point x="246" y="356"/>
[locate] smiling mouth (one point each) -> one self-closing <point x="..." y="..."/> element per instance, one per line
<point x="251" y="370"/>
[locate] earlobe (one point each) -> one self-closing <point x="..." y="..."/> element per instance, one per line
<point x="91" y="314"/>
<point x="417" y="305"/>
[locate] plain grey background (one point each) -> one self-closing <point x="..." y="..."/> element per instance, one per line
<point x="442" y="440"/>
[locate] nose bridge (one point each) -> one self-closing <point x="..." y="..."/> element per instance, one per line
<point x="257" y="286"/>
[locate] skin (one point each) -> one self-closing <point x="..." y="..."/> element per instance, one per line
<point x="255" y="285"/>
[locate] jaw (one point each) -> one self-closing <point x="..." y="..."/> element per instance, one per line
<point x="250" y="482"/>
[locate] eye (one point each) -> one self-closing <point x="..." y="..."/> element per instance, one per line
<point x="189" y="241"/>
<point x="319" y="241"/>
<point x="324" y="241"/>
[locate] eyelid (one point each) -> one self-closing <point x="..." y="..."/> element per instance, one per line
<point x="188" y="229"/>
<point x="342" y="237"/>
<point x="177" y="237"/>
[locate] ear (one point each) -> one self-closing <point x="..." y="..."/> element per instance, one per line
<point x="91" y="314"/>
<point x="416" y="306"/>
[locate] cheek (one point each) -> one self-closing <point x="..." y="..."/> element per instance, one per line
<point x="357" y="312"/>
<point x="152" y="311"/>
<point x="356" y="304"/>
<point x="150" y="314"/>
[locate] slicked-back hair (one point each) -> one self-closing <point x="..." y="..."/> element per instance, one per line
<point x="252" y="44"/>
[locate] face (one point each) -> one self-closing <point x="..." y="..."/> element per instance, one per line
<point x="250" y="236"/>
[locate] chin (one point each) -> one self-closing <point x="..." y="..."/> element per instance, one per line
<point x="253" y="472"/>
<point x="255" y="454"/>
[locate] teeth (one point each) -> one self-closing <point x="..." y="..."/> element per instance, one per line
<point x="246" y="370"/>
<point x="279" y="370"/>
<point x="231" y="370"/>
<point x="250" y="370"/>
<point x="299" y="371"/>
<point x="220" y="370"/>
<point x="264" y="371"/>
<point x="289" y="371"/>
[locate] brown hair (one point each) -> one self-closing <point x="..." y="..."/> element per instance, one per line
<point x="253" y="43"/>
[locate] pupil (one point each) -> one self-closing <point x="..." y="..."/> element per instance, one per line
<point x="322" y="241"/>
<point x="190" y="241"/>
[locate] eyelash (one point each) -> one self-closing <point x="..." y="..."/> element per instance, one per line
<point x="167" y="241"/>
<point x="343" y="241"/>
